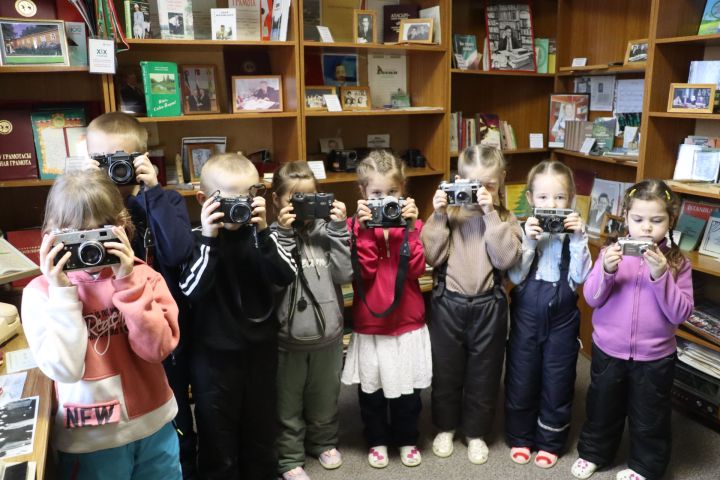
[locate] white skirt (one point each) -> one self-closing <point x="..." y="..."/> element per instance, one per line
<point x="398" y="365"/>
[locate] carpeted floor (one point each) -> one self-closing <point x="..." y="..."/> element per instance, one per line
<point x="696" y="449"/>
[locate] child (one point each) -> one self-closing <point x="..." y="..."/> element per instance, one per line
<point x="389" y="354"/>
<point x="229" y="280"/>
<point x="101" y="335"/>
<point x="639" y="301"/>
<point x="164" y="240"/>
<point x="468" y="246"/>
<point x="311" y="326"/>
<point x="543" y="346"/>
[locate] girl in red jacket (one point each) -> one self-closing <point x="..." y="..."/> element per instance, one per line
<point x="389" y="354"/>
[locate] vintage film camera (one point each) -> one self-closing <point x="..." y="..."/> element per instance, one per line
<point x="386" y="212"/>
<point x="342" y="160"/>
<point x="462" y="192"/>
<point x="552" y="220"/>
<point x="633" y="246"/>
<point x="309" y="206"/>
<point x="119" y="166"/>
<point x="86" y="247"/>
<point x="236" y="209"/>
<point x="414" y="159"/>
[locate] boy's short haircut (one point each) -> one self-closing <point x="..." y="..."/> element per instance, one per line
<point x="224" y="163"/>
<point x="124" y="125"/>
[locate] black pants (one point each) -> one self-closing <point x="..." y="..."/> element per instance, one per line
<point x="540" y="367"/>
<point x="177" y="369"/>
<point x="642" y="392"/>
<point x="236" y="411"/>
<point x="401" y="429"/>
<point x="468" y="345"/>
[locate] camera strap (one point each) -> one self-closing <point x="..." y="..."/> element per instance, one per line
<point x="147" y="233"/>
<point x="399" y="279"/>
<point x="303" y="283"/>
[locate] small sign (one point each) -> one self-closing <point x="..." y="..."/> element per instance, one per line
<point x="102" y="56"/>
<point x="325" y="34"/>
<point x="587" y="145"/>
<point x="536" y="140"/>
<point x="579" y="62"/>
<point x="332" y="102"/>
<point x="318" y="169"/>
<point x="378" y="141"/>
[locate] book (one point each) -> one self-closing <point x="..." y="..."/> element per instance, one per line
<point x="488" y="130"/>
<point x="454" y="144"/>
<point x="392" y="15"/>
<point x="691" y="222"/>
<point x="17" y="150"/>
<point x="27" y="242"/>
<point x="710" y="243"/>
<point x="710" y="22"/>
<point x="387" y="75"/>
<point x="280" y="17"/>
<point x="511" y="41"/>
<point x="706" y="71"/>
<point x="705" y="321"/>
<point x="162" y="89"/>
<point x="266" y="7"/>
<point x="137" y="19"/>
<point x="247" y="19"/>
<point x="77" y="43"/>
<point x="434" y="13"/>
<point x="50" y="139"/>
<point x="603" y="131"/>
<point x="176" y="19"/>
<point x="224" y="24"/>
<point x="465" y="52"/>
<point x="130" y="94"/>
<point x="378" y="5"/>
<point x="13" y="264"/>
<point x="541" y="54"/>
<point x="552" y="55"/>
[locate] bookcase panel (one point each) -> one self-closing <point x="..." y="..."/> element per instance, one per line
<point x="354" y="131"/>
<point x="65" y="87"/>
<point x="678" y="18"/>
<point x="609" y="171"/>
<point x="666" y="135"/>
<point x="671" y="64"/>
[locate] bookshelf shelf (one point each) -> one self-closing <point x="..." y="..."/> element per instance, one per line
<point x="609" y="70"/>
<point x="695" y="189"/>
<point x="517" y="151"/>
<point x="701" y="40"/>
<point x="691" y="337"/>
<point x="598" y="158"/>
<point x="690" y="116"/>
<point x="400" y="47"/>
<point x="374" y="113"/>
<point x="704" y="263"/>
<point x="41" y="69"/>
<point x="346" y="177"/>
<point x="506" y="73"/>
<point x="218" y="116"/>
<point x="33" y="182"/>
<point x="153" y="42"/>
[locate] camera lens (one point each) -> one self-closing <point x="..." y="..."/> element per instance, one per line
<point x="240" y="213"/>
<point x="91" y="253"/>
<point x="352" y="155"/>
<point x="555" y="225"/>
<point x="121" y="172"/>
<point x="391" y="210"/>
<point x="462" y="196"/>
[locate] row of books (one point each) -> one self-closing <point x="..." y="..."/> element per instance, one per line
<point x="698" y="159"/>
<point x="467" y="57"/>
<point x="483" y="129"/>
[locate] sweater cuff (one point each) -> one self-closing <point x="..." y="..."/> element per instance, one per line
<point x="63" y="294"/>
<point x="660" y="282"/>
<point x="528" y="243"/>
<point x="492" y="219"/>
<point x="283" y="231"/>
<point x="337" y="225"/>
<point x="123" y="283"/>
<point x="210" y="241"/>
<point x="440" y="217"/>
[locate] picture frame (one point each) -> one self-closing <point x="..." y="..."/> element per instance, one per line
<point x="197" y="155"/>
<point x="416" y="30"/>
<point x="364" y="26"/>
<point x="510" y="37"/>
<point x="314" y="100"/>
<point x="340" y="69"/>
<point x="636" y="53"/>
<point x="565" y="107"/>
<point x="46" y="45"/>
<point x="130" y="94"/>
<point x="612" y="226"/>
<point x="329" y="144"/>
<point x="691" y="97"/>
<point x="710" y="243"/>
<point x="355" y="98"/>
<point x="246" y="91"/>
<point x="199" y="89"/>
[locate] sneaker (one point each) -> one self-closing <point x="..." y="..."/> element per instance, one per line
<point x="378" y="457"/>
<point x="297" y="473"/>
<point x="330" y="459"/>
<point x="443" y="444"/>
<point x="520" y="455"/>
<point x="477" y="451"/>
<point x="629" y="474"/>
<point x="583" y="469"/>
<point x="410" y="456"/>
<point x="545" y="459"/>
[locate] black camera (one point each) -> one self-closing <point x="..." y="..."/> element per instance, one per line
<point x="119" y="166"/>
<point x="342" y="160"/>
<point x="633" y="246"/>
<point x="309" y="206"/>
<point x="86" y="247"/>
<point x="462" y="192"/>
<point x="386" y="212"/>
<point x="414" y="159"/>
<point x="552" y="220"/>
<point x="236" y="209"/>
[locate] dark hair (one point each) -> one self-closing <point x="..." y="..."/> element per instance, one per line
<point x="288" y="174"/>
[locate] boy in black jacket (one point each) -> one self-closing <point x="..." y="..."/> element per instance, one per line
<point x="229" y="281"/>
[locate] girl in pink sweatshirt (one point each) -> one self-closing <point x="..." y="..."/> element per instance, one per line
<point x="101" y="334"/>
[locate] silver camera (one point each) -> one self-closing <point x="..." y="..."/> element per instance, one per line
<point x="386" y="212"/>
<point x="462" y="192"/>
<point x="552" y="220"/>
<point x="633" y="246"/>
<point x="86" y="247"/>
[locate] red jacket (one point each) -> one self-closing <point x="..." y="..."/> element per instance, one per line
<point x="378" y="269"/>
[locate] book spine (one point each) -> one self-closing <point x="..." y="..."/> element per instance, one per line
<point x="128" y="20"/>
<point x="145" y="67"/>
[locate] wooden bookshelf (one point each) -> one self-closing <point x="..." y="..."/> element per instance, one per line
<point x="41" y="69"/>
<point x="517" y="151"/>
<point x="33" y="182"/>
<point x="157" y="42"/>
<point x="630" y="162"/>
<point x="506" y="73"/>
<point x="377" y="112"/>
<point x="351" y="177"/>
<point x="378" y="47"/>
<point x="704" y="190"/>
<point x="603" y="70"/>
<point x="219" y="116"/>
<point x="691" y="337"/>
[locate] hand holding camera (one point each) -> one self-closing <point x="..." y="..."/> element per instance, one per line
<point x="54" y="271"/>
<point x="461" y="192"/>
<point x="363" y="213"/>
<point x="657" y="263"/>
<point x="485" y="200"/>
<point x="533" y="230"/>
<point x="210" y="217"/>
<point x="440" y="201"/>
<point x="84" y="249"/>
<point x="388" y="212"/>
<point x="123" y="251"/>
<point x="410" y="213"/>
<point x="612" y="257"/>
<point x="120" y="166"/>
<point x="310" y="206"/>
<point x="553" y="220"/>
<point x="258" y="215"/>
<point x="286" y="216"/>
<point x="338" y="212"/>
<point x="145" y="171"/>
<point x="574" y="223"/>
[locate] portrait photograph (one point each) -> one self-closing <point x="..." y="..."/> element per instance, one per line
<point x="140" y="12"/>
<point x="563" y="108"/>
<point x="511" y="42"/>
<point x="689" y="97"/>
<point x="327" y="145"/>
<point x="636" y="53"/>
<point x="340" y="69"/>
<point x="612" y="225"/>
<point x="198" y="155"/>
<point x="257" y="93"/>
<point x="199" y="93"/>
<point x="604" y="200"/>
<point x="130" y="96"/>
<point x="416" y="30"/>
<point x="314" y="99"/>
<point x="32" y="42"/>
<point x="176" y="23"/>
<point x="364" y="21"/>
<point x="355" y="98"/>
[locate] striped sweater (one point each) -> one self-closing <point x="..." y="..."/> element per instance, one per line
<point x="477" y="244"/>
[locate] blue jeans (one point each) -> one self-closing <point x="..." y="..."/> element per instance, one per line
<point x="151" y="458"/>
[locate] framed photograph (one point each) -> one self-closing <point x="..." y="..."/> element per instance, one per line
<point x="364" y="22"/>
<point x="612" y="225"/>
<point x="510" y="36"/>
<point x="130" y="97"/>
<point x="416" y="30"/>
<point x="355" y="98"/>
<point x="314" y="99"/>
<point x="340" y="69"/>
<point x="327" y="145"/>
<point x="710" y="244"/>
<point x="198" y="155"/>
<point x="565" y="107"/>
<point x="257" y="93"/>
<point x="33" y="42"/>
<point x="636" y="53"/>
<point x="691" y="97"/>
<point x="199" y="93"/>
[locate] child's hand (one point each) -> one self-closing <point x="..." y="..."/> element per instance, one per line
<point x="485" y="200"/>
<point x="145" y="171"/>
<point x="338" y="212"/>
<point x="286" y="217"/>
<point x="259" y="216"/>
<point x="123" y="251"/>
<point x="363" y="213"/>
<point x="657" y="263"/>
<point x="533" y="228"/>
<point x="53" y="273"/>
<point x="575" y="224"/>
<point x="410" y="213"/>
<point x="210" y="219"/>
<point x="440" y="201"/>
<point x="612" y="258"/>
<point x="90" y="164"/>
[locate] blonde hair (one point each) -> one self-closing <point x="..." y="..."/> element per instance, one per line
<point x="489" y="158"/>
<point x="223" y="163"/>
<point x="122" y="125"/>
<point x="383" y="163"/>
<point x="85" y="199"/>
<point x="552" y="167"/>
<point x="288" y="174"/>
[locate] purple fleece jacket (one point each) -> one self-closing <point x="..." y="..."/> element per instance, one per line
<point x="635" y="317"/>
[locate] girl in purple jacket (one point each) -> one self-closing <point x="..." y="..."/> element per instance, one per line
<point x="639" y="299"/>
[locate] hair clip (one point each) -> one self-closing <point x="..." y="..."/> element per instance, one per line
<point x="632" y="192"/>
<point x="667" y="194"/>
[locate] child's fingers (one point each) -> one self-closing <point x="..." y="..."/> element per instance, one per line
<point x="215" y="217"/>
<point x="58" y="268"/>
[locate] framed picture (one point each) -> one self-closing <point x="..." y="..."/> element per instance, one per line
<point x="199" y="93"/>
<point x="340" y="69"/>
<point x="33" y="42"/>
<point x="612" y="225"/>
<point x="257" y="93"/>
<point x="198" y="155"/>
<point x="710" y="244"/>
<point x="364" y="22"/>
<point x="355" y="98"/>
<point x="130" y="96"/>
<point x="327" y="145"/>
<point x="416" y="30"/>
<point x="314" y="99"/>
<point x="636" y="53"/>
<point x="691" y="97"/>
<point x="565" y="107"/>
<point x="510" y="37"/>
